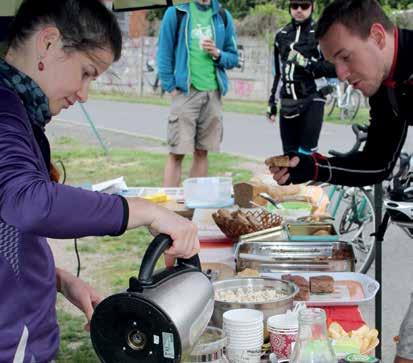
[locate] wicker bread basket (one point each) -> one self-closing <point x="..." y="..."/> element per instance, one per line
<point x="241" y="222"/>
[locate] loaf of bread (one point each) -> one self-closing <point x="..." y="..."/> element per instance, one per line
<point x="278" y="161"/>
<point x="321" y="284"/>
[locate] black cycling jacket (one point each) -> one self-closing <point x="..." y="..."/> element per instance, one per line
<point x="298" y="82"/>
<point x="390" y="116"/>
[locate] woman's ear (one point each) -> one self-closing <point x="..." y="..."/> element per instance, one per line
<point x="47" y="40"/>
<point x="378" y="35"/>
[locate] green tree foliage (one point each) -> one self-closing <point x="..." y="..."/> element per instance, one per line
<point x="243" y="10"/>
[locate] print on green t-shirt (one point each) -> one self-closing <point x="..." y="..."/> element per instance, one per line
<point x="203" y="75"/>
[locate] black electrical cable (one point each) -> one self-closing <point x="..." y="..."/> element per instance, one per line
<point x="75" y="240"/>
<point x="78" y="259"/>
<point x="64" y="170"/>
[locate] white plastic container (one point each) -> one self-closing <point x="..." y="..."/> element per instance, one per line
<point x="210" y="192"/>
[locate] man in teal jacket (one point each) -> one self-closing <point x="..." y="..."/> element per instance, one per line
<point x="197" y="43"/>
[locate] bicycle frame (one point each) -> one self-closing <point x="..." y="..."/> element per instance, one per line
<point x="358" y="210"/>
<point x="343" y="98"/>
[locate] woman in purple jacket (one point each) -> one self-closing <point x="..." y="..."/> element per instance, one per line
<point x="56" y="48"/>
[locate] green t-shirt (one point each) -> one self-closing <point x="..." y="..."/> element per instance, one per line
<point x="203" y="75"/>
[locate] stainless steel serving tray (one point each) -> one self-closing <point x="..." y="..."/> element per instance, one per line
<point x="294" y="256"/>
<point x="270" y="234"/>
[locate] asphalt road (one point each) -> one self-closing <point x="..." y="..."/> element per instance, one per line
<point x="253" y="136"/>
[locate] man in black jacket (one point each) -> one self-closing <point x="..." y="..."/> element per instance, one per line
<point x="375" y="57"/>
<point x="298" y="62"/>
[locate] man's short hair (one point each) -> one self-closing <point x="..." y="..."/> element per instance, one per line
<point x="356" y="15"/>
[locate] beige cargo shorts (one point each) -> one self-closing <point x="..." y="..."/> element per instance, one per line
<point x="405" y="346"/>
<point x="195" y="122"/>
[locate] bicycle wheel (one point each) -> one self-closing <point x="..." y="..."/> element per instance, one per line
<point x="350" y="111"/>
<point x="355" y="222"/>
<point x="330" y="104"/>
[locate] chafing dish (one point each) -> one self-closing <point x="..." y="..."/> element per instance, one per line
<point x="294" y="256"/>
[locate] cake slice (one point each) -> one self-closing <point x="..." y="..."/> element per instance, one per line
<point x="322" y="284"/>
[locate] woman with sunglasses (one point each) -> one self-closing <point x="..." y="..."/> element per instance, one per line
<point x="55" y="50"/>
<point x="298" y="63"/>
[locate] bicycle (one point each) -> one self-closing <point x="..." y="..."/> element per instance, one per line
<point x="346" y="98"/>
<point x="152" y="77"/>
<point x="352" y="210"/>
<point x="398" y="199"/>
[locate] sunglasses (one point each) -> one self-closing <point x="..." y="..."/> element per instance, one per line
<point x="303" y="6"/>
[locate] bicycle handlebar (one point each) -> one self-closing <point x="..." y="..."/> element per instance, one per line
<point x="361" y="136"/>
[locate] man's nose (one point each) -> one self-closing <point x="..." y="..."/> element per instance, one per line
<point x="342" y="72"/>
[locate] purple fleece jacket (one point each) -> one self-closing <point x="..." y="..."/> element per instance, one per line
<point x="33" y="208"/>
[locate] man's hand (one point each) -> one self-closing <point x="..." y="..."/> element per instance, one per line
<point x="271" y="112"/>
<point x="174" y="92"/>
<point x="282" y="175"/>
<point x="79" y="293"/>
<point x="208" y="45"/>
<point x="297" y="58"/>
<point x="302" y="168"/>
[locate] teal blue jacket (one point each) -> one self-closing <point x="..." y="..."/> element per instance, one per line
<point x="173" y="59"/>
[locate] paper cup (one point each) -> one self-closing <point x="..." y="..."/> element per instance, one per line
<point x="243" y="317"/>
<point x="283" y="331"/>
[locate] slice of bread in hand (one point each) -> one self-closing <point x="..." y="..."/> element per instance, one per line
<point x="282" y="161"/>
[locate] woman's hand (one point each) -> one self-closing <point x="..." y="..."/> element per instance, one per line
<point x="79" y="293"/>
<point x="183" y="232"/>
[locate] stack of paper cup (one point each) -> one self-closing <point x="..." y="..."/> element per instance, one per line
<point x="283" y="331"/>
<point x="245" y="332"/>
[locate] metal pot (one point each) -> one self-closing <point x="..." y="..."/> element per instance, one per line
<point x="159" y="317"/>
<point x="269" y="308"/>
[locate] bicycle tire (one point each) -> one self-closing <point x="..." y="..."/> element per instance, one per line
<point x="350" y="112"/>
<point x="360" y="237"/>
<point x="331" y="106"/>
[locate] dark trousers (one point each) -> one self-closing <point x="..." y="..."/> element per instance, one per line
<point x="303" y="131"/>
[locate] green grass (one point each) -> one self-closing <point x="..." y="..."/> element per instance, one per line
<point x="139" y="168"/>
<point x="248" y="107"/>
<point x="244" y="106"/>
<point x="361" y="118"/>
<point x="118" y="257"/>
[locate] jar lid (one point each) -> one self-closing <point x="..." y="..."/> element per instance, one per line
<point x="360" y="358"/>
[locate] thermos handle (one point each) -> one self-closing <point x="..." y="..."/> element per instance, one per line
<point x="155" y="250"/>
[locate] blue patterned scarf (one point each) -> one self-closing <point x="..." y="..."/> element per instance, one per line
<point x="34" y="100"/>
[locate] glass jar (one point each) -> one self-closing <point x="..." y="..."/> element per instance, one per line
<point x="312" y="344"/>
<point x="209" y="348"/>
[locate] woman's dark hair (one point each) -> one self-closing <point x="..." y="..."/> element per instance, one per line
<point x="84" y="25"/>
<point x="357" y="16"/>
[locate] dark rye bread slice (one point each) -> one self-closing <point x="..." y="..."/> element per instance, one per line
<point x="303" y="285"/>
<point x="322" y="284"/>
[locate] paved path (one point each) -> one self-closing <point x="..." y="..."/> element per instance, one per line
<point x="248" y="135"/>
<point x="251" y="135"/>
